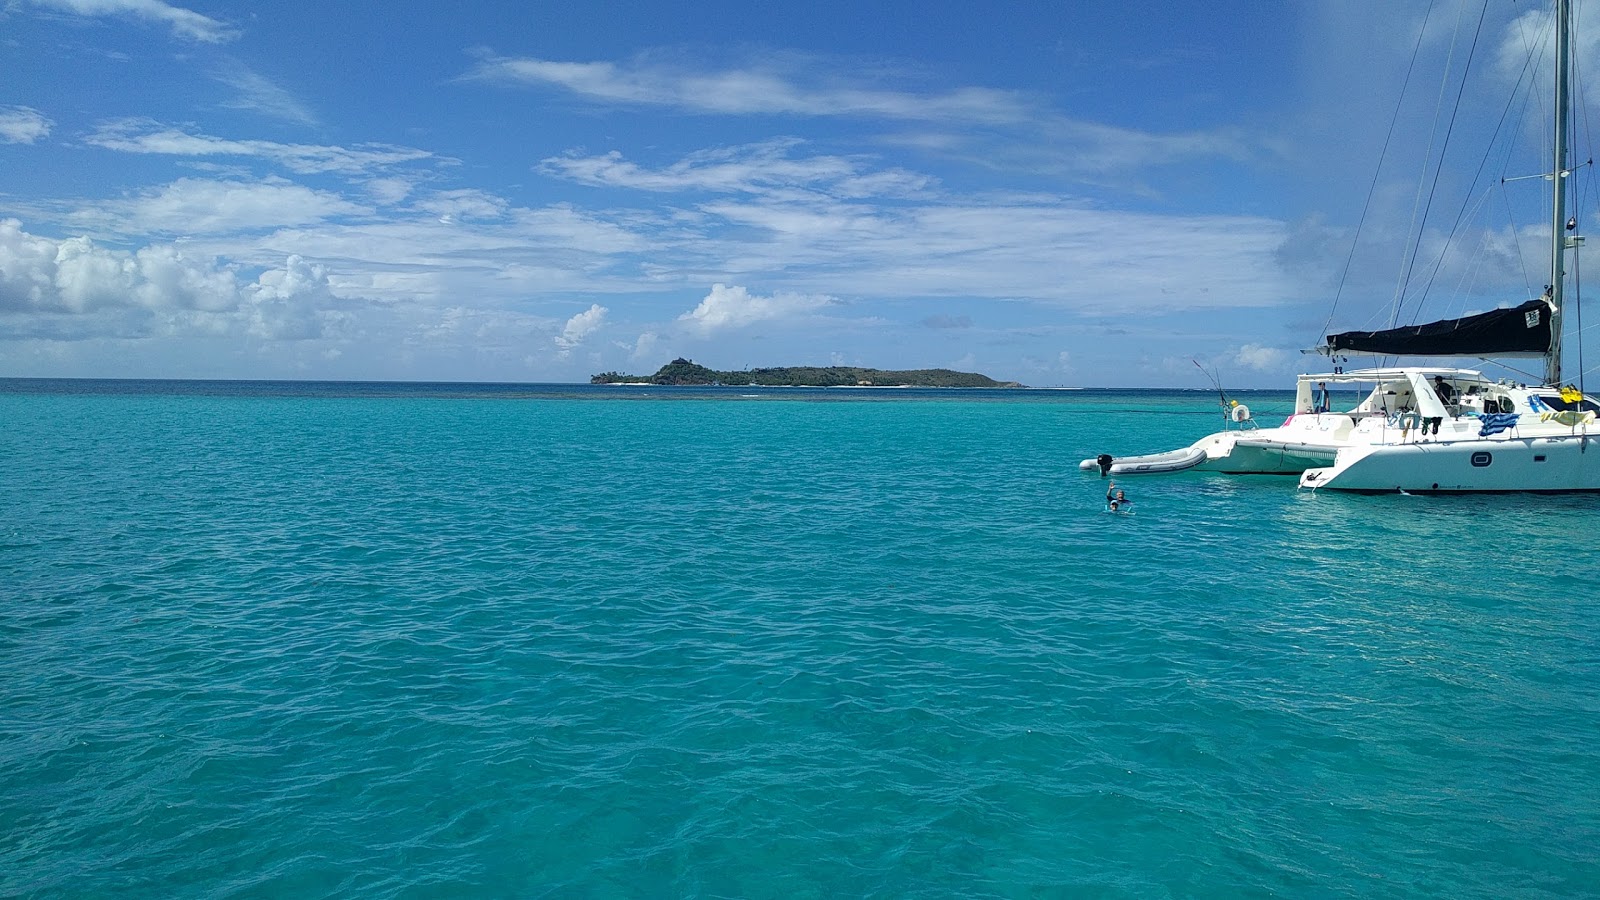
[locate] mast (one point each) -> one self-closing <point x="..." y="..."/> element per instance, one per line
<point x="1558" y="220"/>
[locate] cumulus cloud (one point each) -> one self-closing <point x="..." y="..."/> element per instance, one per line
<point x="581" y="326"/>
<point x="185" y="23"/>
<point x="76" y="275"/>
<point x="79" y="279"/>
<point x="292" y="303"/>
<point x="22" y="125"/>
<point x="733" y="307"/>
<point x="1262" y="359"/>
<point x="645" y="347"/>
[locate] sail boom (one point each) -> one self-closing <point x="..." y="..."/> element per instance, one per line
<point x="1520" y="331"/>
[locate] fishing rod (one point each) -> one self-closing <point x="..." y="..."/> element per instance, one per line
<point x="1217" y="382"/>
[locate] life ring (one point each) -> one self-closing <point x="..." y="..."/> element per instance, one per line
<point x="1240" y="413"/>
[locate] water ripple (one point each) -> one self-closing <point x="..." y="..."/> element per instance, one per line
<point x="386" y="646"/>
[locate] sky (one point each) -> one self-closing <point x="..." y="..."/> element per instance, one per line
<point x="1058" y="193"/>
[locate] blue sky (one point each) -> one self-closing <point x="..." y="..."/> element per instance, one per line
<point x="1056" y="193"/>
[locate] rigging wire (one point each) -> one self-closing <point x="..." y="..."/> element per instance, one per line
<point x="1580" y="114"/>
<point x="1419" y="276"/>
<point x="1438" y="171"/>
<point x="1383" y="154"/>
<point x="1469" y="205"/>
<point x="1511" y="220"/>
<point x="1409" y="251"/>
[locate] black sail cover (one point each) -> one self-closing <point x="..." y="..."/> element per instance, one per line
<point x="1522" y="331"/>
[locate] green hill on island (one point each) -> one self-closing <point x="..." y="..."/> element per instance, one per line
<point x="684" y="372"/>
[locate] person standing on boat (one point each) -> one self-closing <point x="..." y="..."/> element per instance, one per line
<point x="1447" y="395"/>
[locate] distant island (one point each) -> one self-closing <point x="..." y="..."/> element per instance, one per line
<point x="684" y="372"/>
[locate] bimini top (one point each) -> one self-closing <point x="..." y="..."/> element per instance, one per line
<point x="1370" y="376"/>
<point x="1520" y="331"/>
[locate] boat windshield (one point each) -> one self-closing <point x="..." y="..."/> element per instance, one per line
<point x="1554" y="401"/>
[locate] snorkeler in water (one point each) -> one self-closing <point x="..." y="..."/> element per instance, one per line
<point x="1117" y="500"/>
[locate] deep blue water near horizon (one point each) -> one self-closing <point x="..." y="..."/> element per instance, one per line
<point x="317" y="639"/>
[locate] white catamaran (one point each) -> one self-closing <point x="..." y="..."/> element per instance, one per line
<point x="1425" y="429"/>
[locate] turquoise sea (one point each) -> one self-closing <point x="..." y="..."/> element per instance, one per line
<point x="377" y="640"/>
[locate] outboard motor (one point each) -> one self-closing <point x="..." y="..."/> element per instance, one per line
<point x="1104" y="462"/>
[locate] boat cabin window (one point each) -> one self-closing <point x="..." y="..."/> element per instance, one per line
<point x="1387" y="399"/>
<point x="1555" y="402"/>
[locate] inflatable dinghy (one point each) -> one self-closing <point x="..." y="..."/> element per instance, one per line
<point x="1149" y="464"/>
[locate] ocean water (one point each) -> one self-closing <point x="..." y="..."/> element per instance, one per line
<point x="335" y="640"/>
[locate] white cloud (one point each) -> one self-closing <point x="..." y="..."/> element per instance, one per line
<point x="581" y="326"/>
<point x="168" y="278"/>
<point x="462" y="204"/>
<point x="94" y="286"/>
<point x="388" y="191"/>
<point x="645" y="347"/>
<point x="27" y="268"/>
<point x="1024" y="248"/>
<point x="1259" y="358"/>
<point x="292" y="303"/>
<point x="86" y="277"/>
<point x="76" y="275"/>
<point x="1532" y="36"/>
<point x="979" y="126"/>
<point x="22" y="125"/>
<point x="734" y="307"/>
<point x="420" y="258"/>
<point x="185" y="23"/>
<point x="259" y="94"/>
<point x="792" y="85"/>
<point x="144" y="136"/>
<point x="754" y="168"/>
<point x="192" y="206"/>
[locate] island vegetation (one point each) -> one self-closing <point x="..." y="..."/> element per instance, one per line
<point x="685" y="372"/>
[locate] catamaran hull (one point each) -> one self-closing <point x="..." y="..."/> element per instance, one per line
<point x="1518" y="464"/>
<point x="1231" y="454"/>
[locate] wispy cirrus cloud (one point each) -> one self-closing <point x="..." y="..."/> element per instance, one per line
<point x="22" y="125"/>
<point x="987" y="127"/>
<point x="146" y="136"/>
<point x="753" y="169"/>
<point x="786" y="85"/>
<point x="194" y="206"/>
<point x="258" y="94"/>
<point x="185" y="23"/>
